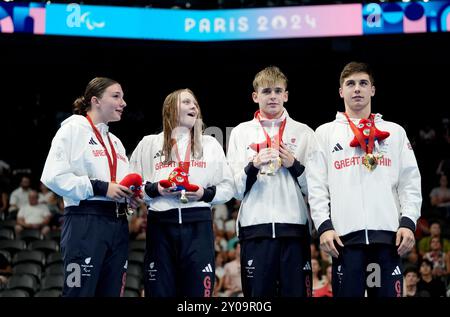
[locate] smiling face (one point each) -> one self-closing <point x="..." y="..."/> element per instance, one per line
<point x="109" y="106"/>
<point x="187" y="110"/>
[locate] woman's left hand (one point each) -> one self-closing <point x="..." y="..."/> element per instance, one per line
<point x="195" y="196"/>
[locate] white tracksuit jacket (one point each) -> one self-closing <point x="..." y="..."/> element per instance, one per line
<point x="364" y="206"/>
<point x="76" y="157"/>
<point x="210" y="170"/>
<point x="272" y="206"/>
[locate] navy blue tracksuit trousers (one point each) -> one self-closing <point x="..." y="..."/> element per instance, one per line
<point x="276" y="267"/>
<point x="179" y="256"/>
<point x="372" y="267"/>
<point x="94" y="245"/>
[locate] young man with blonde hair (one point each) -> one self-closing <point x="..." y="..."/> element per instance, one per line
<point x="267" y="156"/>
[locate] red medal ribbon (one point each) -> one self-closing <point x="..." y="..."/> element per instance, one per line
<point x="369" y="147"/>
<point x="184" y="165"/>
<point x="280" y="133"/>
<point x="112" y="163"/>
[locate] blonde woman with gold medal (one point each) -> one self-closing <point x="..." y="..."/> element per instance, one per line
<point x="364" y="192"/>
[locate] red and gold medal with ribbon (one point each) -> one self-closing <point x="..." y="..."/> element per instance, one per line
<point x="365" y="132"/>
<point x="273" y="142"/>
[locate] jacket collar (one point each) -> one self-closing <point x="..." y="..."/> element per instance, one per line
<point x="340" y="118"/>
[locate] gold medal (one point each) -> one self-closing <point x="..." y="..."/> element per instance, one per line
<point x="273" y="167"/>
<point x="183" y="197"/>
<point x="370" y="161"/>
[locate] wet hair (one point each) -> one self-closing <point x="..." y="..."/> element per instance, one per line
<point x="269" y="76"/>
<point x="95" y="88"/>
<point x="353" y="68"/>
<point x="170" y="113"/>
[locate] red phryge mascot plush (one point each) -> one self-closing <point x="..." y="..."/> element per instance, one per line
<point x="179" y="178"/>
<point x="134" y="183"/>
<point x="364" y="126"/>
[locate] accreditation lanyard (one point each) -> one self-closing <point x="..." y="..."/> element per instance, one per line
<point x="112" y="163"/>
<point x="359" y="136"/>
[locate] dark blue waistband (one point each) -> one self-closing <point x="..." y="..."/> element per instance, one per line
<point x="182" y="215"/>
<point x="97" y="207"/>
<point x="373" y="236"/>
<point x="277" y="230"/>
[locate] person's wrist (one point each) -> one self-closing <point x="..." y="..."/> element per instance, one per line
<point x="289" y="164"/>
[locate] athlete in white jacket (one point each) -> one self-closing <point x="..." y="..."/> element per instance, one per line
<point x="179" y="256"/>
<point x="83" y="165"/>
<point x="365" y="197"/>
<point x="273" y="217"/>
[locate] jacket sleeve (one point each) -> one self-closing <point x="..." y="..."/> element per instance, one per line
<point x="409" y="184"/>
<point x="300" y="167"/>
<point x="59" y="174"/>
<point x="223" y="178"/>
<point x="318" y="189"/>
<point x="237" y="161"/>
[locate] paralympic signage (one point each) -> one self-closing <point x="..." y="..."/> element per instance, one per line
<point x="214" y="25"/>
<point x="224" y="25"/>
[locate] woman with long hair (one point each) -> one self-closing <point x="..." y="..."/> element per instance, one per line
<point x="185" y="173"/>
